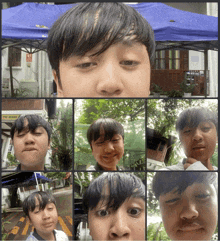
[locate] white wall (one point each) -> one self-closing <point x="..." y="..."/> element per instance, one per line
<point x="36" y="75"/>
<point x="212" y="10"/>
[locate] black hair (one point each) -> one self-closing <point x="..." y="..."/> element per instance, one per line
<point x="111" y="127"/>
<point x="34" y="121"/>
<point x="166" y="181"/>
<point x="191" y="117"/>
<point x="87" y="25"/>
<point x="118" y="186"/>
<point x="43" y="198"/>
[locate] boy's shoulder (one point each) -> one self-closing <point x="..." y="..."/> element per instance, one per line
<point x="60" y="235"/>
<point x="31" y="237"/>
<point x="197" y="166"/>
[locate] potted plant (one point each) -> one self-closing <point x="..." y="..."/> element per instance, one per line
<point x="157" y="90"/>
<point x="187" y="88"/>
<point x="174" y="94"/>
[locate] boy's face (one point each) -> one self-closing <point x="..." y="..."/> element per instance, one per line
<point x="123" y="70"/>
<point x="31" y="147"/>
<point x="199" y="142"/>
<point x="45" y="220"/>
<point x="108" y="153"/>
<point x="191" y="215"/>
<point x="126" y="223"/>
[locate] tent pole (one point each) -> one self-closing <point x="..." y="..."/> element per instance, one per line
<point x="36" y="181"/>
<point x="206" y="71"/>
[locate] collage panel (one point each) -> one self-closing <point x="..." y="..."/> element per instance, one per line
<point x="109" y="206"/>
<point x="37" y="206"/>
<point x="182" y="134"/>
<point x="109" y="134"/>
<point x="37" y="134"/>
<point x="177" y="51"/>
<point x="166" y="53"/>
<point x="182" y="205"/>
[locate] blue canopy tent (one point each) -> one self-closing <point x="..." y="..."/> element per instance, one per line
<point x="22" y="179"/>
<point x="27" y="25"/>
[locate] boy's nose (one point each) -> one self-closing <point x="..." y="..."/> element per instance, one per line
<point x="189" y="211"/>
<point x="46" y="214"/>
<point x="109" y="81"/>
<point x="109" y="147"/>
<point x="119" y="229"/>
<point x="29" y="138"/>
<point x="197" y="135"/>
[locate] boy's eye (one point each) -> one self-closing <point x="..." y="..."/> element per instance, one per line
<point x="134" y="211"/>
<point x="102" y="213"/>
<point x="37" y="133"/>
<point x="86" y="65"/>
<point x="173" y="200"/>
<point x="115" y="140"/>
<point x="203" y="196"/>
<point x="187" y="131"/>
<point x="206" y="128"/>
<point x="99" y="143"/>
<point x="129" y="63"/>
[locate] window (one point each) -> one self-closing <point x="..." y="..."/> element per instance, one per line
<point x="174" y="59"/>
<point x="15" y="55"/>
<point x="160" y="59"/>
<point x="167" y="59"/>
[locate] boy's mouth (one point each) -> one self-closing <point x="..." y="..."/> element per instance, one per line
<point x="198" y="148"/>
<point x="47" y="225"/>
<point x="110" y="156"/>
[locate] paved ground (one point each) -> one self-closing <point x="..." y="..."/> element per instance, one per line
<point x="18" y="227"/>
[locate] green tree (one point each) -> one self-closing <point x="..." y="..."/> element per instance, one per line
<point x="62" y="143"/>
<point x="119" y="109"/>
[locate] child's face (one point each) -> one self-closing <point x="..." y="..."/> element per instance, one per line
<point x="108" y="153"/>
<point x="199" y="142"/>
<point x="126" y="223"/>
<point x="31" y="147"/>
<point x="191" y="215"/>
<point x="45" y="220"/>
<point x="121" y="71"/>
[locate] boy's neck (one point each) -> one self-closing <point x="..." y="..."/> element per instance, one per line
<point x="39" y="167"/>
<point x="208" y="164"/>
<point x="47" y="237"/>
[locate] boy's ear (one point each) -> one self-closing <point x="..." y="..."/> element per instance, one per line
<point x="59" y="87"/>
<point x="49" y="145"/>
<point x="29" y="220"/>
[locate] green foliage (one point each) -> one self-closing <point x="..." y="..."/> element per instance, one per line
<point x="152" y="202"/>
<point x="12" y="159"/>
<point x="82" y="179"/>
<point x="62" y="138"/>
<point x="118" y="109"/>
<point x="157" y="232"/>
<point x="157" y="88"/>
<point x="55" y="175"/>
<point x="187" y="87"/>
<point x="174" y="93"/>
<point x="4" y="232"/>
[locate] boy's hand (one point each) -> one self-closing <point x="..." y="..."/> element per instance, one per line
<point x="189" y="161"/>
